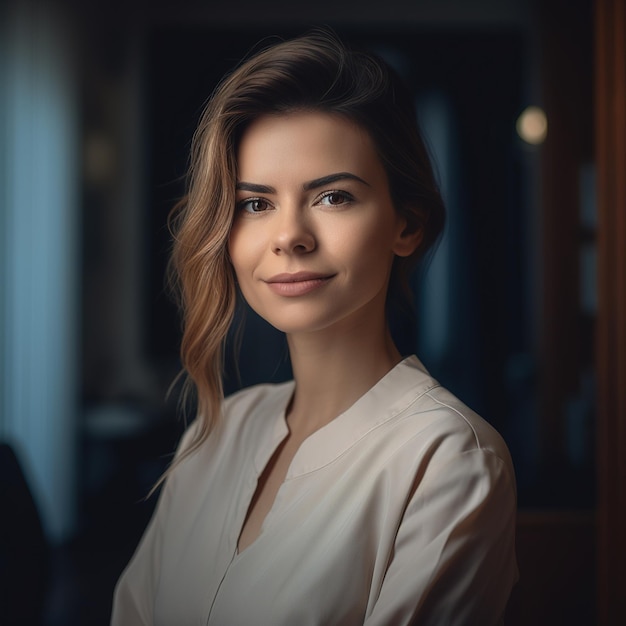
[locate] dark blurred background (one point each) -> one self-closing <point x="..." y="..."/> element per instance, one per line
<point x="98" y="103"/>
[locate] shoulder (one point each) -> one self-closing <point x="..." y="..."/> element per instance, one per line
<point x="262" y="403"/>
<point x="442" y="429"/>
<point x="266" y="395"/>
<point x="448" y="418"/>
<point x="245" y="415"/>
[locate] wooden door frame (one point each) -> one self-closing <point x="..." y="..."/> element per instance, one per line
<point x="610" y="147"/>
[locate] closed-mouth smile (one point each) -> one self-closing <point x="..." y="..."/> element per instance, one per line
<point x="298" y="283"/>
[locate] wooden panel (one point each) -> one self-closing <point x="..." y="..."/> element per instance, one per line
<point x="610" y="90"/>
<point x="566" y="84"/>
<point x="556" y="555"/>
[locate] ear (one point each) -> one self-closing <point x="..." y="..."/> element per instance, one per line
<point x="408" y="239"/>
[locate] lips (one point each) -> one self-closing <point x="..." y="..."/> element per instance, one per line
<point x="297" y="284"/>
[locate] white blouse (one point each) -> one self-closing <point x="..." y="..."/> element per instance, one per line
<point x="399" y="511"/>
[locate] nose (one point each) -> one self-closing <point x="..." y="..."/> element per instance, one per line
<point x="293" y="234"/>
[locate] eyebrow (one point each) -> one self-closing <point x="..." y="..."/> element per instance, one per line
<point x="332" y="178"/>
<point x="243" y="186"/>
<point x="308" y="186"/>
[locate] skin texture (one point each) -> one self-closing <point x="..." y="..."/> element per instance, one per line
<point x="312" y="246"/>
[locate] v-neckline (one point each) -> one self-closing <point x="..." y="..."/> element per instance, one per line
<point x="345" y="432"/>
<point x="261" y="463"/>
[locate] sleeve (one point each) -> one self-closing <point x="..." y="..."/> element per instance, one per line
<point x="134" y="595"/>
<point x="454" y="555"/>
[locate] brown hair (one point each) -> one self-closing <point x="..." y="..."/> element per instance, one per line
<point x="315" y="72"/>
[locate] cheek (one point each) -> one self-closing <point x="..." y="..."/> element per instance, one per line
<point x="246" y="250"/>
<point x="239" y="249"/>
<point x="368" y="247"/>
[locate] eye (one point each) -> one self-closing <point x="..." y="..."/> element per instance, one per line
<point x="335" y="198"/>
<point x="253" y="205"/>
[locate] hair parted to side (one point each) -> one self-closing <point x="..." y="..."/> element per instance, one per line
<point x="314" y="72"/>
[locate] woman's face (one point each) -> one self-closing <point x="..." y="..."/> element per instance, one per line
<point x="315" y="230"/>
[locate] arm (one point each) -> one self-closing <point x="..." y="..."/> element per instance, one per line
<point x="133" y="599"/>
<point x="134" y="596"/>
<point x="454" y="556"/>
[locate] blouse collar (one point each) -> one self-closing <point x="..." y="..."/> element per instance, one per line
<point x="391" y="395"/>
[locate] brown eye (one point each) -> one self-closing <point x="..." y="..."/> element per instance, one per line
<point x="335" y="198"/>
<point x="253" y="205"/>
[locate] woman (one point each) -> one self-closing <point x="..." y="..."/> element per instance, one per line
<point x="361" y="492"/>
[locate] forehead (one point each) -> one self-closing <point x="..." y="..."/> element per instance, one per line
<point x="308" y="144"/>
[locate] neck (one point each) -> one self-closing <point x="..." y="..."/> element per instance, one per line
<point x="335" y="368"/>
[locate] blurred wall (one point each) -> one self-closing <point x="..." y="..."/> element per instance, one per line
<point x="39" y="268"/>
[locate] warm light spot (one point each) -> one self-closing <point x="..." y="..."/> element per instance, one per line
<point x="532" y="125"/>
<point x="99" y="158"/>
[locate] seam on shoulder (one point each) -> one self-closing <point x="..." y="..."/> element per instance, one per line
<point x="463" y="417"/>
<point x="417" y="398"/>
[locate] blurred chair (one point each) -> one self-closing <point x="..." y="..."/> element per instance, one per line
<point x="24" y="551"/>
